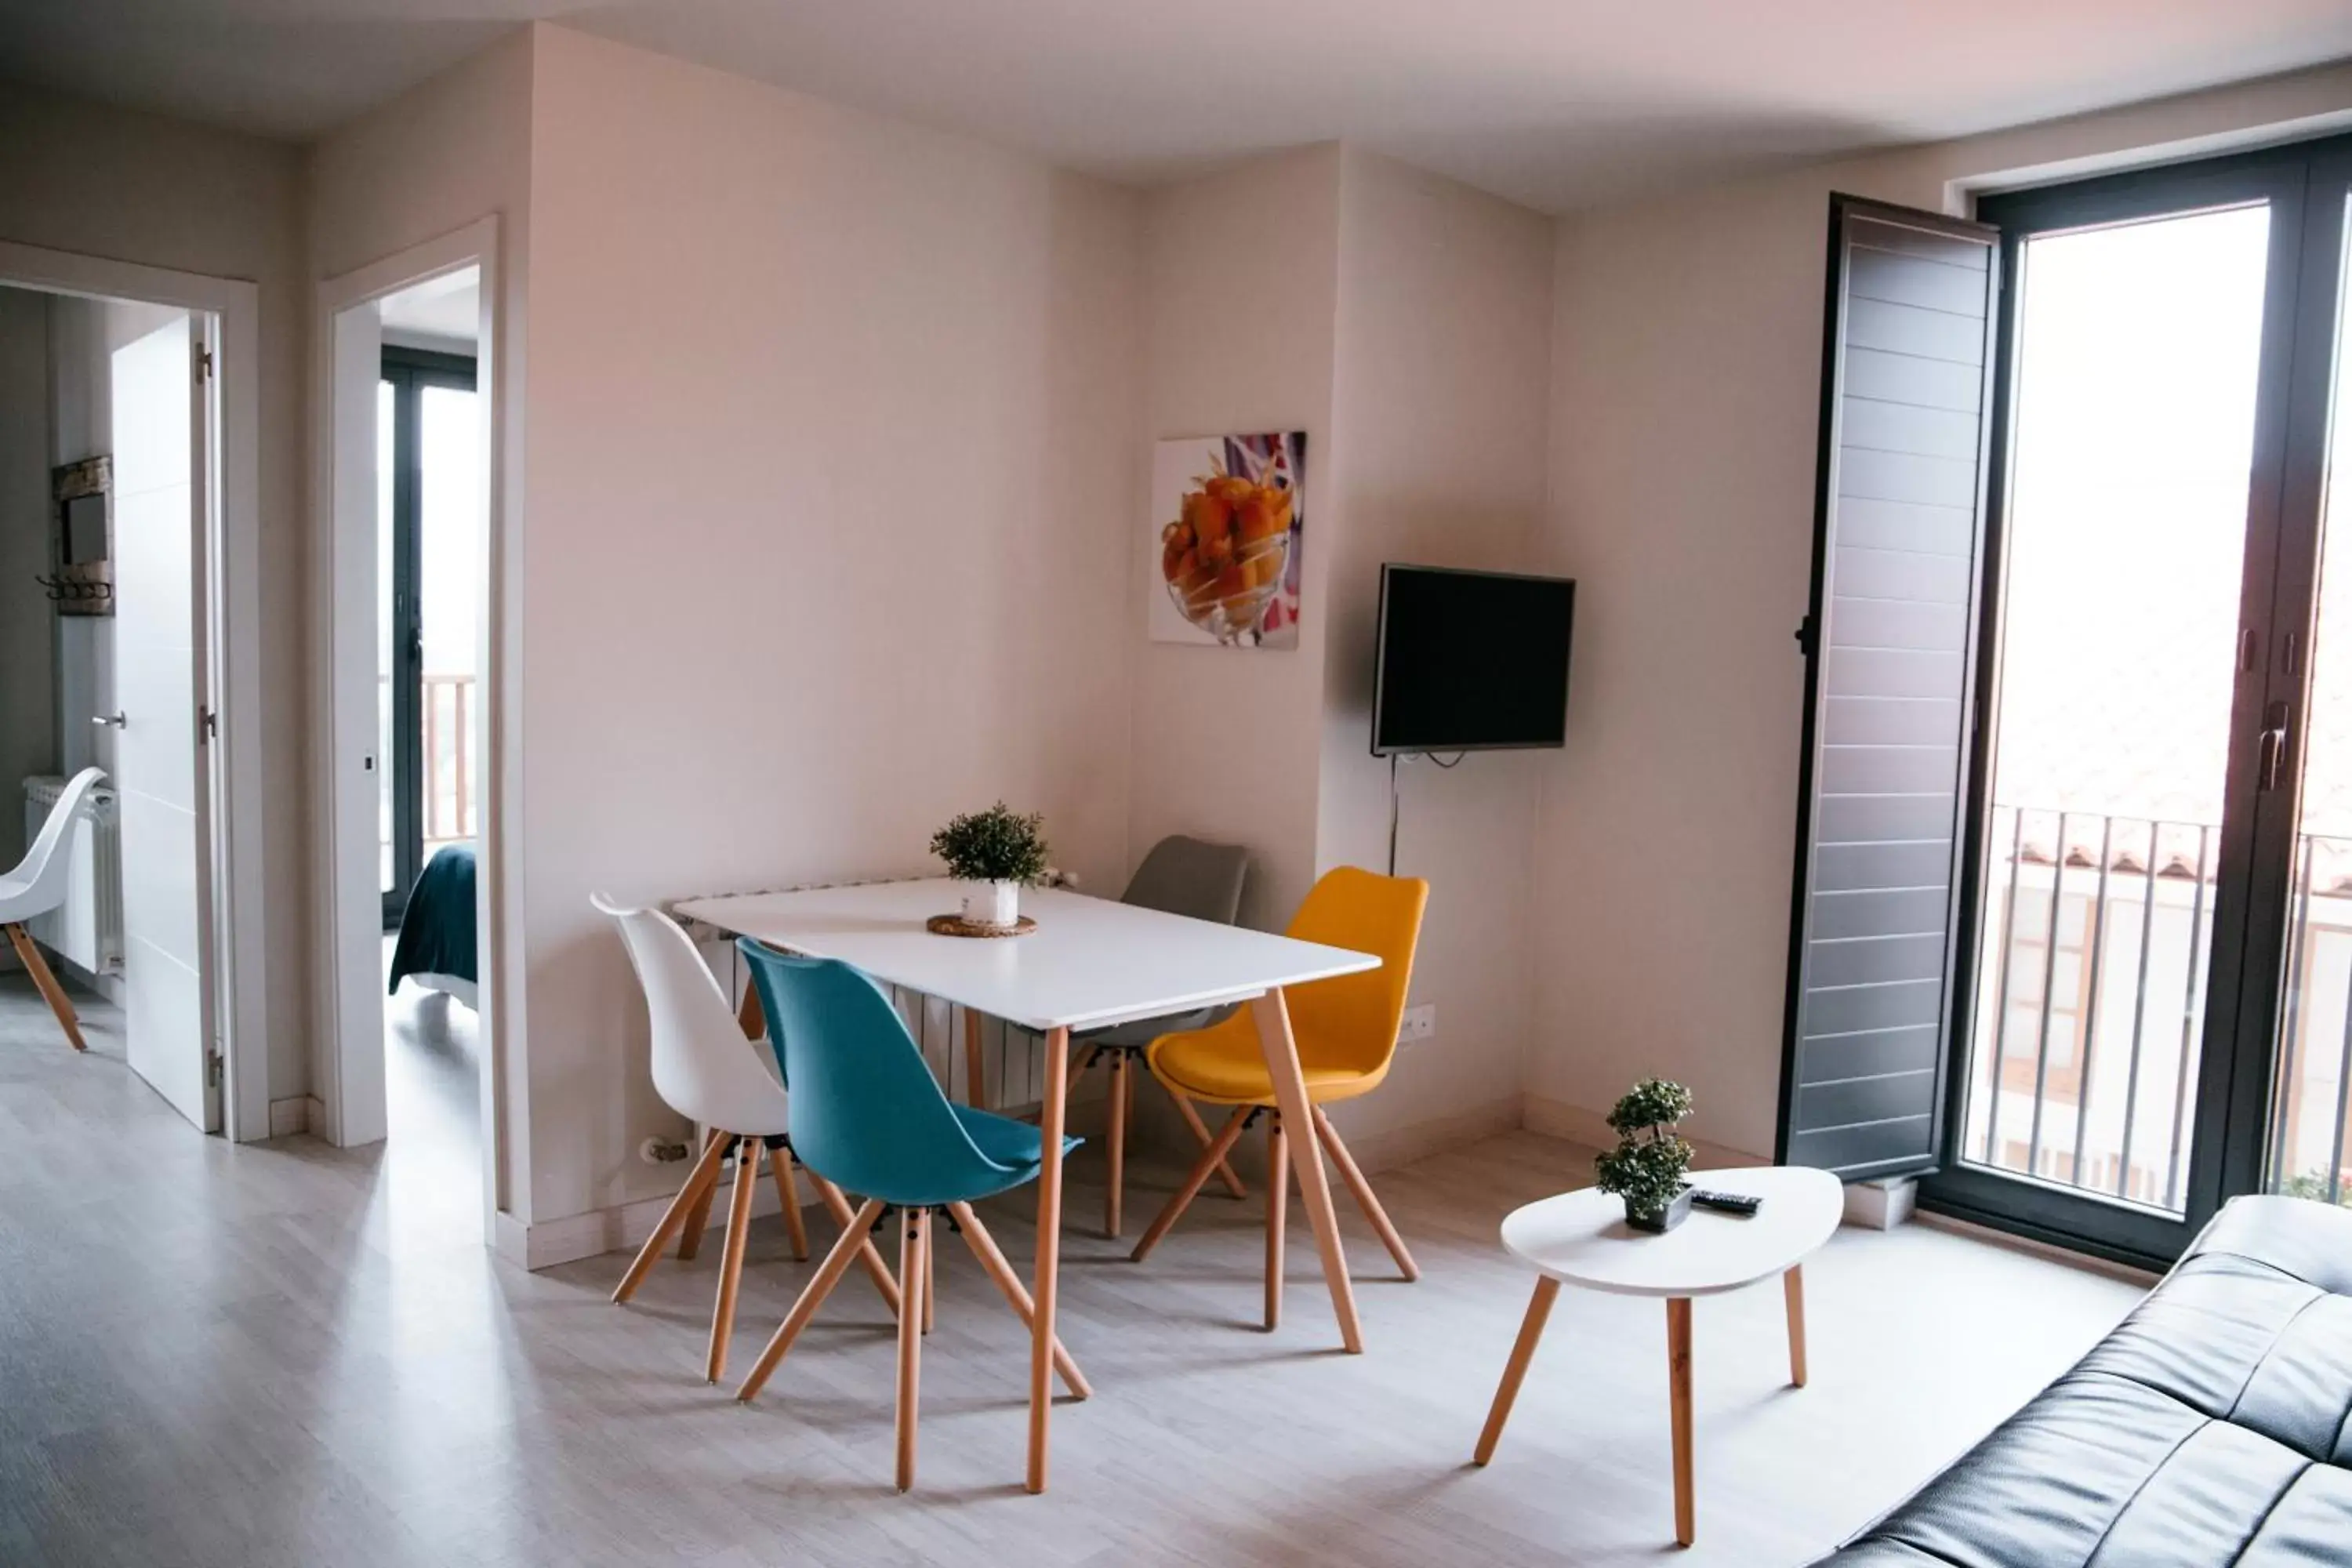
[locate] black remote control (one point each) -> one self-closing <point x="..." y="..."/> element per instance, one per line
<point x="1739" y="1204"/>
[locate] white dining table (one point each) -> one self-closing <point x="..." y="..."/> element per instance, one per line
<point x="1089" y="961"/>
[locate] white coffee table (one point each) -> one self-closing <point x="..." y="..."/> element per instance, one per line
<point x="1582" y="1238"/>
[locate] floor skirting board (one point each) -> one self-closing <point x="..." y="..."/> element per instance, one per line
<point x="547" y="1243"/>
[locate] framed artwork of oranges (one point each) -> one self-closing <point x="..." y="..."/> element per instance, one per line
<point x="1227" y="516"/>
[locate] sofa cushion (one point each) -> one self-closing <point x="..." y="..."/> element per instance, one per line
<point x="2212" y="1427"/>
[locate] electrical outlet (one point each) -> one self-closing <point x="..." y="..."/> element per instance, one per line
<point x="1418" y="1024"/>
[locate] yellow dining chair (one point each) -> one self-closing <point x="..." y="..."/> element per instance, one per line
<point x="1346" y="1029"/>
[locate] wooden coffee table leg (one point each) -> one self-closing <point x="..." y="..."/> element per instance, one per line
<point x="1531" y="1333"/>
<point x="1793" y="1284"/>
<point x="1678" y="1379"/>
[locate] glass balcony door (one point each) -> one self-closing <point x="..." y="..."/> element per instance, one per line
<point x="2308" y="1097"/>
<point x="428" y="532"/>
<point x="2138" y="587"/>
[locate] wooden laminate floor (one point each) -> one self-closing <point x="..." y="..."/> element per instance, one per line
<point x="285" y="1353"/>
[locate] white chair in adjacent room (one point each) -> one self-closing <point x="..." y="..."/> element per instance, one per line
<point x="36" y="886"/>
<point x="707" y="1072"/>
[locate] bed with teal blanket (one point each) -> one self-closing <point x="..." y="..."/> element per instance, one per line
<point x="437" y="946"/>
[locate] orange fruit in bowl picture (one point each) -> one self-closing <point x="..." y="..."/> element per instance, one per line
<point x="1226" y="555"/>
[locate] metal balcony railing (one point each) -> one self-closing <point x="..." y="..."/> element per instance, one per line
<point x="2091" y="1002"/>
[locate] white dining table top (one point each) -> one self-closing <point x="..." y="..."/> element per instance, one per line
<point x="1090" y="961"/>
<point x="1581" y="1237"/>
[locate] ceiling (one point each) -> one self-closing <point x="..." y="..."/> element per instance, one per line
<point x="443" y="309"/>
<point x="1556" y="103"/>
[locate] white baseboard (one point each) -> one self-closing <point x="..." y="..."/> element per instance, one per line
<point x="288" y="1117"/>
<point x="544" y="1244"/>
<point x="1559" y="1119"/>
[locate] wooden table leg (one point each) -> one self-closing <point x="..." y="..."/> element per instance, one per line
<point x="1115" y="1144"/>
<point x="1678" y="1380"/>
<point x="975" y="1068"/>
<point x="1306" y="1159"/>
<point x="1278" y="1196"/>
<point x="1046" y="1292"/>
<point x="1531" y="1330"/>
<point x="1792" y="1285"/>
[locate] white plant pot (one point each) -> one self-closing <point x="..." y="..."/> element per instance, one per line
<point x="992" y="903"/>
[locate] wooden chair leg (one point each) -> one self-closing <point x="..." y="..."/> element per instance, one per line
<point x="1678" y="1379"/>
<point x="866" y="1253"/>
<point x="992" y="1262"/>
<point x="1516" y="1372"/>
<point x="1354" y="1176"/>
<point x="1115" y="1142"/>
<point x="29" y="952"/>
<point x="699" y="1182"/>
<point x="697" y="1218"/>
<point x="1278" y="1202"/>
<point x="828" y="1274"/>
<point x="1232" y="1182"/>
<point x="913" y="1236"/>
<point x="1211" y="1157"/>
<point x="730" y="1258"/>
<point x="1792" y="1288"/>
<point x="788" y="1196"/>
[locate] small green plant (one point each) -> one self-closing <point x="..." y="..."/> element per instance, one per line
<point x="998" y="845"/>
<point x="1646" y="1167"/>
<point x="2313" y="1185"/>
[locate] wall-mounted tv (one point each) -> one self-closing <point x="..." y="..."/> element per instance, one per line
<point x="1470" y="662"/>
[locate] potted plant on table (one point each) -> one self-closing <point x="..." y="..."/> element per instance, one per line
<point x="1646" y="1168"/>
<point x="994" y="853"/>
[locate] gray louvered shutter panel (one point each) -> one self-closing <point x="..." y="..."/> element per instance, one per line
<point x="1891" y="645"/>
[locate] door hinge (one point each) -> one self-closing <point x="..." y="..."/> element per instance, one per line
<point x="211" y="1069"/>
<point x="203" y="365"/>
<point x="208" y="724"/>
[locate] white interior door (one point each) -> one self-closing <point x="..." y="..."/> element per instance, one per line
<point x="160" y="446"/>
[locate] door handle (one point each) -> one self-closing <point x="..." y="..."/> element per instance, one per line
<point x="2271" y="749"/>
<point x="108" y="721"/>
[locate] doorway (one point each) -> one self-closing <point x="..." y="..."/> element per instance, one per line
<point x="113" y="516"/>
<point x="2153" y="1016"/>
<point x="409" y="486"/>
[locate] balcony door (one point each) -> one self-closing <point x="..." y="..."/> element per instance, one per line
<point x="429" y="541"/>
<point x="2117" y="942"/>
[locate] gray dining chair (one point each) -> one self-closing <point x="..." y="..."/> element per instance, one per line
<point x="1181" y="876"/>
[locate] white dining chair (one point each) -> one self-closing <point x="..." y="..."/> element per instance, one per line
<point x="706" y="1070"/>
<point x="36" y="886"/>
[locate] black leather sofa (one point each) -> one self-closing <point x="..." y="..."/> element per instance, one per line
<point x="2213" y="1426"/>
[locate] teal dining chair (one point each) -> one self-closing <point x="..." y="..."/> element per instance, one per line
<point x="867" y="1115"/>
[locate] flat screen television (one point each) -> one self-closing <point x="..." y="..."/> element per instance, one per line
<point x="1470" y="662"/>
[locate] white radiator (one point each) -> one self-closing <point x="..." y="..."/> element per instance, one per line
<point x="87" y="929"/>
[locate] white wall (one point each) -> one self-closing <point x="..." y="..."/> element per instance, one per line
<point x="453" y="151"/>
<point x="1238" y="336"/>
<point x="28" y="705"/>
<point x="1686" y="364"/>
<point x="85" y="177"/>
<point x="1442" y="361"/>
<point x="834" y="465"/>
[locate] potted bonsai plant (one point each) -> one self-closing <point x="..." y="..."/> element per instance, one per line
<point x="1647" y="1165"/>
<point x="993" y="852"/>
